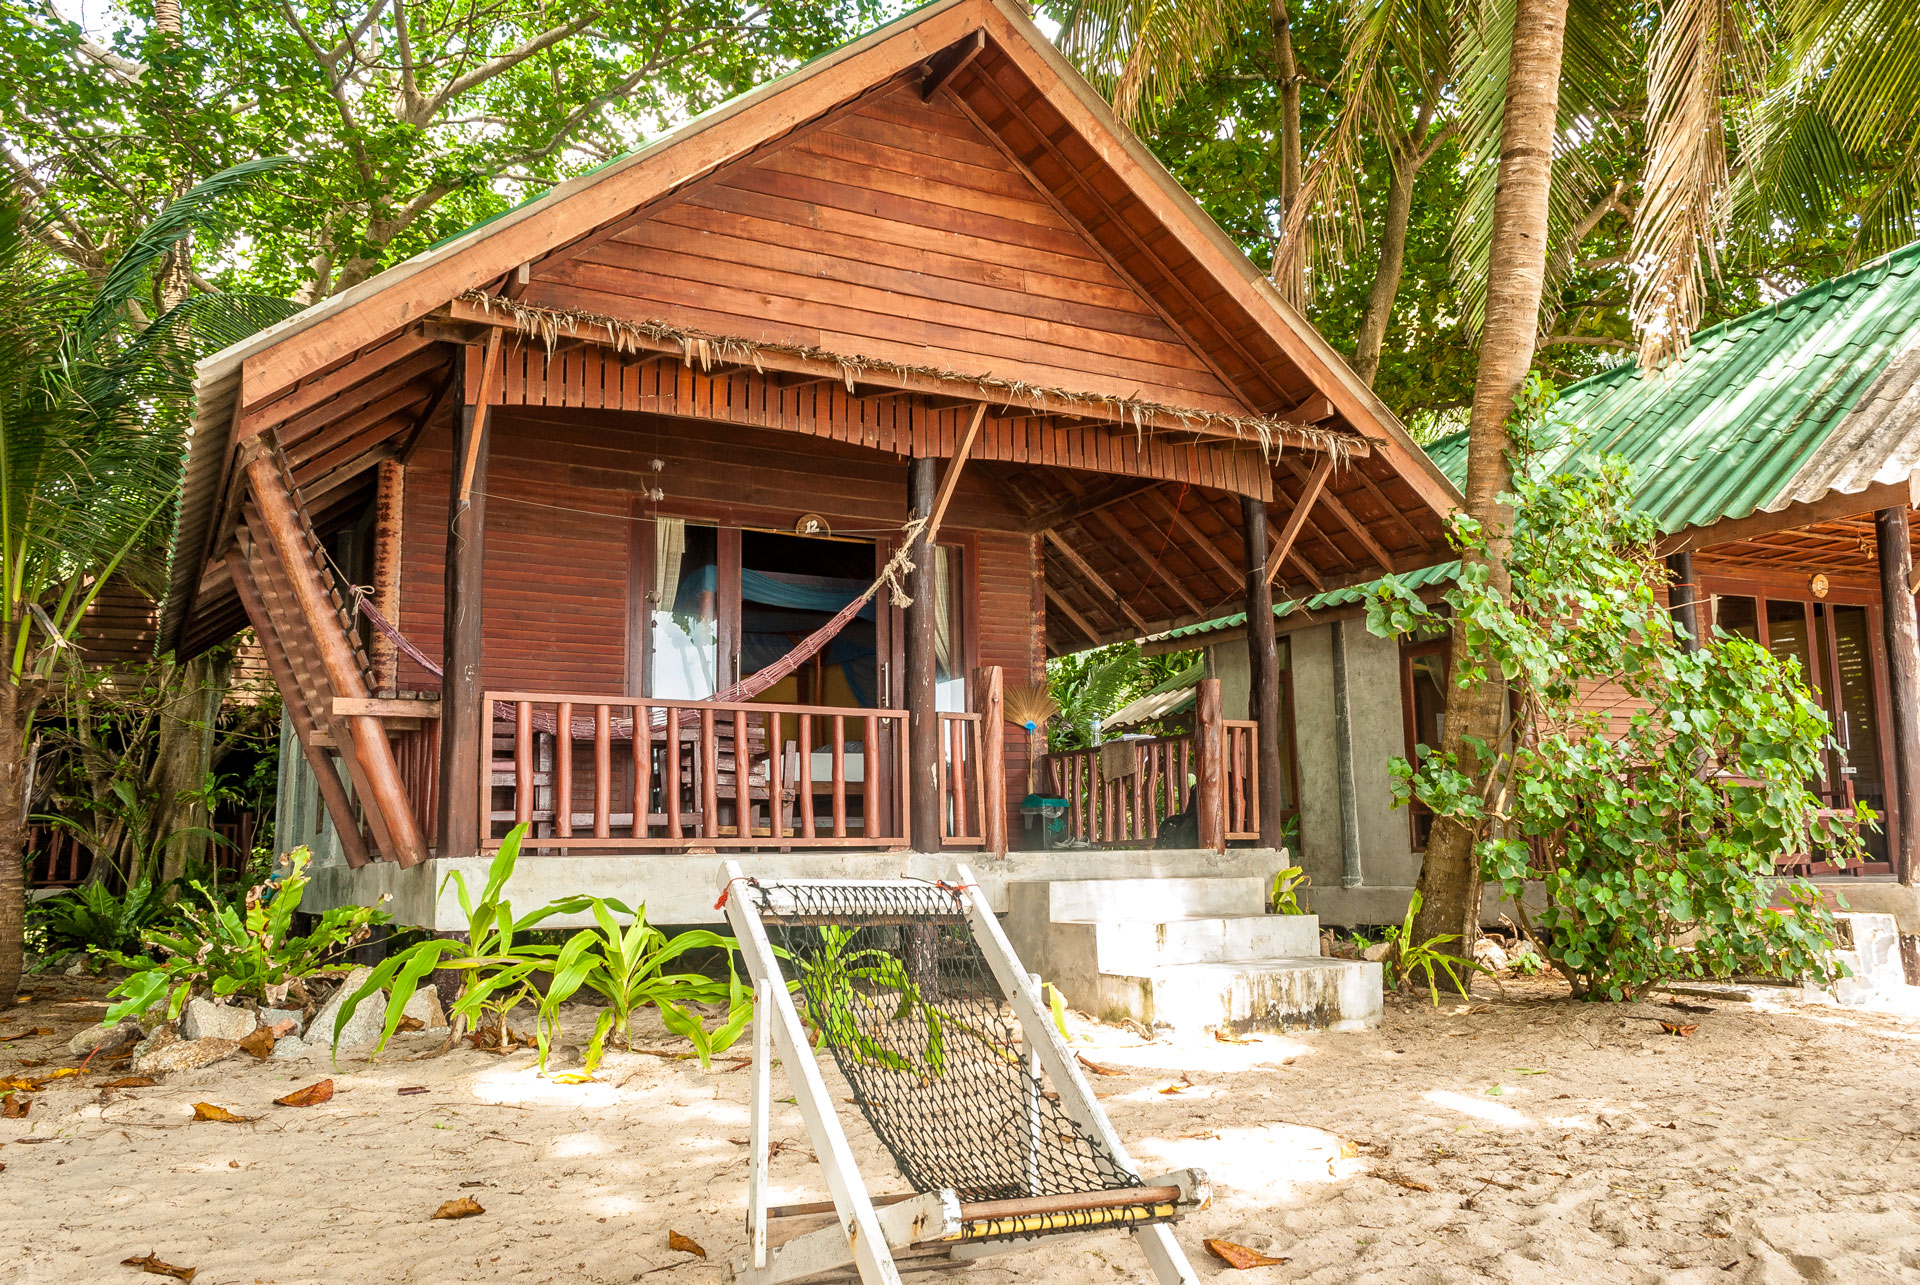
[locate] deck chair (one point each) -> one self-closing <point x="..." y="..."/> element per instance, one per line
<point x="947" y="1047"/>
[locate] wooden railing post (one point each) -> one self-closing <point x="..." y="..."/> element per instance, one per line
<point x="992" y="701"/>
<point x="1210" y="735"/>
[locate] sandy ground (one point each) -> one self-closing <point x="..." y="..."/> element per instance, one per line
<point x="1525" y="1138"/>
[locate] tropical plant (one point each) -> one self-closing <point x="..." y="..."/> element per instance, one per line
<point x="496" y="960"/>
<point x="247" y="952"/>
<point x="93" y="917"/>
<point x="627" y="967"/>
<point x="1655" y="842"/>
<point x="1410" y="956"/>
<point x="89" y="457"/>
<point x="1288" y="885"/>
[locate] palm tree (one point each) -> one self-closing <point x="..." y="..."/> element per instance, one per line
<point x="90" y="451"/>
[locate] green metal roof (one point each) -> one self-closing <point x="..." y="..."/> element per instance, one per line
<point x="1816" y="393"/>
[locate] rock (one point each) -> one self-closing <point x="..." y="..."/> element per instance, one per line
<point x="291" y="1046"/>
<point x="157" y="1039"/>
<point x="185" y="1055"/>
<point x="1377" y="952"/>
<point x="425" y="1007"/>
<point x="363" y="1030"/>
<point x="562" y="1057"/>
<point x="105" y="1040"/>
<point x="206" y="1020"/>
<point x="1488" y="952"/>
<point x="78" y="968"/>
<point x="273" y="1017"/>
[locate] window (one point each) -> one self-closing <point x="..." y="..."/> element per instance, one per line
<point x="1423" y="701"/>
<point x="683" y="610"/>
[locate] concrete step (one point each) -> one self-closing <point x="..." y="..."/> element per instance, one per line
<point x="1248" y="995"/>
<point x="1132" y="946"/>
<point x="1871" y="951"/>
<point x="1152" y="900"/>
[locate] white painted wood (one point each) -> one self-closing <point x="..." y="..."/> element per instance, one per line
<point x="931" y="1217"/>
<point x="1164" y="1255"/>
<point x="1030" y="1059"/>
<point x="761" y="1114"/>
<point x="859" y="1226"/>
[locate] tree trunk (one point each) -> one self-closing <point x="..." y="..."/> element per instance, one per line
<point x="1286" y="71"/>
<point x="1450" y="874"/>
<point x="1386" y="282"/>
<point x="182" y="760"/>
<point x="16" y="713"/>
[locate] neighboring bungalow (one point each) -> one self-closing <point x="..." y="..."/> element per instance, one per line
<point x="615" y="458"/>
<point x="1779" y="461"/>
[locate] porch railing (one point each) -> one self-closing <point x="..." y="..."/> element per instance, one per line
<point x="706" y="774"/>
<point x="1123" y="793"/>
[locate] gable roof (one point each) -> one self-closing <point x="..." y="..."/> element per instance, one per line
<point x="1059" y="132"/>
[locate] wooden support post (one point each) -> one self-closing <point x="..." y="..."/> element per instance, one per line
<point x="1263" y="669"/>
<point x="1683" y="597"/>
<point x="465" y="728"/>
<point x="1903" y="692"/>
<point x="389" y="810"/>
<point x="923" y="721"/>
<point x="1210" y="736"/>
<point x="388" y="503"/>
<point x="991" y="686"/>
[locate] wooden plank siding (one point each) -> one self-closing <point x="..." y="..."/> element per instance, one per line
<point x="900" y="230"/>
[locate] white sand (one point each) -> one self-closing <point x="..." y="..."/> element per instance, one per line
<point x="1775" y="1146"/>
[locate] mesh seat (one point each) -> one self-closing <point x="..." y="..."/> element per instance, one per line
<point x="893" y="981"/>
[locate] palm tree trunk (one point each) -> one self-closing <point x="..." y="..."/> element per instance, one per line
<point x="16" y="709"/>
<point x="1450" y="874"/>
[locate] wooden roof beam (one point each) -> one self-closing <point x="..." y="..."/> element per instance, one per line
<point x="1080" y="504"/>
<point x="950" y="62"/>
<point x="1309" y="493"/>
<point x="1095" y="579"/>
<point x="1066" y="609"/>
<point x="1139" y="550"/>
<point x="1352" y="523"/>
<point x="1185" y="526"/>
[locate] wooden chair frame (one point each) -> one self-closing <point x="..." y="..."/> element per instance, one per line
<point x="868" y="1233"/>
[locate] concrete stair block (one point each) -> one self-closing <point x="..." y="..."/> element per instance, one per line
<point x="1130" y="946"/>
<point x="1152" y="900"/>
<point x="1871" y="952"/>
<point x="1250" y="995"/>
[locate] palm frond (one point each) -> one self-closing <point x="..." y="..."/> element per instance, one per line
<point x="200" y="208"/>
<point x="1143" y="54"/>
<point x="1703" y="51"/>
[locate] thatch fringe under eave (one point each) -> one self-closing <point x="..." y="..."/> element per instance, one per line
<point x="550" y="325"/>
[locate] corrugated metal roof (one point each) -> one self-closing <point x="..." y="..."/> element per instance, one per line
<point x="1165" y="699"/>
<point x="1815" y="394"/>
<point x="1811" y="395"/>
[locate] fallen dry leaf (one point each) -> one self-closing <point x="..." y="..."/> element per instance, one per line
<point x="13" y="1107"/>
<point x="1179" y="1086"/>
<point x="259" y="1043"/>
<point x="22" y="1035"/>
<point x="411" y="1089"/>
<point x="1678" y="1028"/>
<point x="1095" y="1067"/>
<point x="149" y="1263"/>
<point x="1401" y="1180"/>
<point x="282" y="1028"/>
<point x="464" y="1207"/>
<point x="219" y="1115"/>
<point x="685" y="1244"/>
<point x="1228" y="1037"/>
<point x="10" y="1083"/>
<point x="412" y="1024"/>
<point x="311" y="1096"/>
<point x="131" y="1082"/>
<point x="1239" y="1257"/>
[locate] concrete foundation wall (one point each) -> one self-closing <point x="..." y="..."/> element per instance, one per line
<point x="681" y="889"/>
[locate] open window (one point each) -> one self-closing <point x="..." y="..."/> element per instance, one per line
<point x="1423" y="705"/>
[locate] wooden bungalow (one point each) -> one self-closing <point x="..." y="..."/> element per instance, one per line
<point x="1781" y="462"/>
<point x="516" y="516"/>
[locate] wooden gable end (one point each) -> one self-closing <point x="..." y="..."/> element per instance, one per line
<point x="895" y="228"/>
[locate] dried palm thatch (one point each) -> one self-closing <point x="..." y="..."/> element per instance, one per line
<point x="550" y="325"/>
<point x="1030" y="705"/>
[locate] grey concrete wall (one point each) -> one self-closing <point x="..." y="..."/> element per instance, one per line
<point x="1228" y="662"/>
<point x="1387" y="859"/>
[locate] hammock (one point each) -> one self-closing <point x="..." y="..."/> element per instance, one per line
<point x="893" y="575"/>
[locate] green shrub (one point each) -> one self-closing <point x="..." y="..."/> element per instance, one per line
<point x="244" y="952"/>
<point x="1655" y="836"/>
<point x="92" y="917"/>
